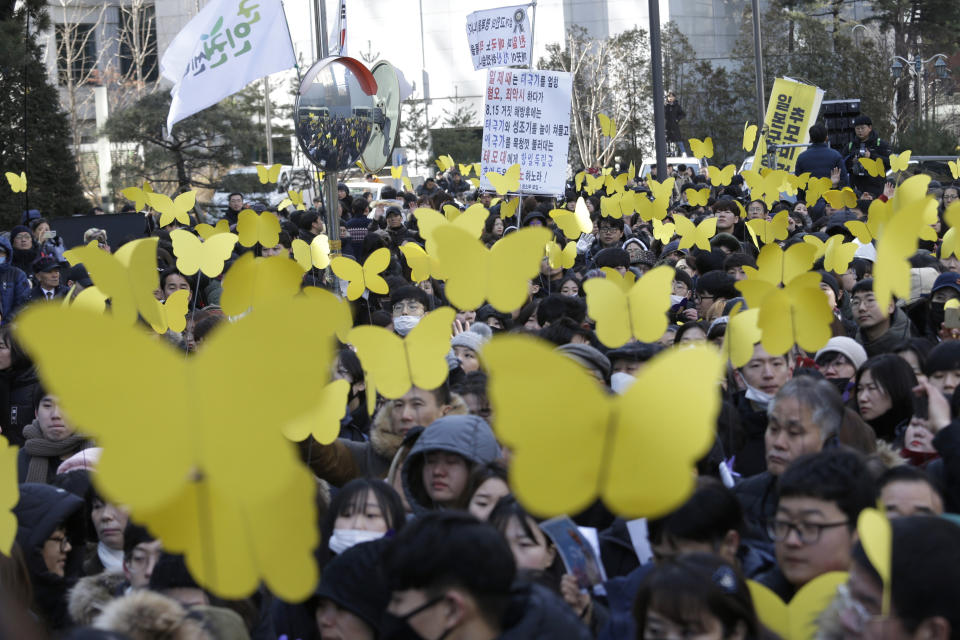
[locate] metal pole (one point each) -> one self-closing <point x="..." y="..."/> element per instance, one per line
<point x="758" y="63"/>
<point x="423" y="68"/>
<point x="656" y="67"/>
<point x="267" y="117"/>
<point x="330" y="179"/>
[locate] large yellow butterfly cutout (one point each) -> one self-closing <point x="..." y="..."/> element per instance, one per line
<point x="499" y="275"/>
<point x="798" y="313"/>
<point x="428" y="220"/>
<point x="422" y="265"/>
<point x="221" y="484"/>
<point x="316" y="254"/>
<point x="874" y="166"/>
<point x="749" y="136"/>
<point x="766" y="184"/>
<point x="323" y="422"/>
<point x="650" y="209"/>
<point x="394" y="364"/>
<point x="600" y="446"/>
<point x="174" y="311"/>
<point x="663" y="231"/>
<point x="268" y="174"/>
<point x="139" y="195"/>
<point x="128" y="277"/>
<point x="721" y="177"/>
<point x="816" y="187"/>
<point x="177" y="209"/>
<point x="701" y="148"/>
<point x="573" y="223"/>
<point x="776" y="266"/>
<point x="950" y="245"/>
<point x="18" y="183"/>
<point x="258" y="282"/>
<point x="591" y="183"/>
<point x="797" y="620"/>
<point x="445" y="163"/>
<point x="293" y="197"/>
<point x="900" y="161"/>
<point x="640" y="312"/>
<point x="508" y="182"/>
<point x="360" y="278"/>
<point x="840" y="198"/>
<point x="194" y="255"/>
<point x="618" y="205"/>
<point x="836" y="253"/>
<point x="561" y="258"/>
<point x="9" y="495"/>
<point x="661" y="191"/>
<point x="767" y="231"/>
<point x="615" y="185"/>
<point x="253" y="228"/>
<point x="697" y="197"/>
<point x="508" y="208"/>
<point x="695" y="234"/>
<point x="205" y="230"/>
<point x="608" y="127"/>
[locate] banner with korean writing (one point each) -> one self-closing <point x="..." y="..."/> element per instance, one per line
<point x="226" y="46"/>
<point x="500" y="37"/>
<point x="526" y="121"/>
<point x="792" y="110"/>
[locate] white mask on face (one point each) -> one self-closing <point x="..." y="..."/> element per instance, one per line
<point x="405" y="324"/>
<point x="762" y="398"/>
<point x="343" y="539"/>
<point x="674" y="300"/>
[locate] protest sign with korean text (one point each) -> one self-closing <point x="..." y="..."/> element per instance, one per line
<point x="500" y="37"/>
<point x="227" y="45"/>
<point x="526" y="121"/>
<point x="792" y="110"/>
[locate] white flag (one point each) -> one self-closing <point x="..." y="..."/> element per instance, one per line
<point x="226" y="46"/>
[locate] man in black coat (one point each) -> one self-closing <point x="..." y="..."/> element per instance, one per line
<point x="867" y="145"/>
<point x="673" y="114"/>
<point x="820" y="160"/>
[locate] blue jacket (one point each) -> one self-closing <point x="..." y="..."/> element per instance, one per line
<point x="14" y="285"/>
<point x="820" y="160"/>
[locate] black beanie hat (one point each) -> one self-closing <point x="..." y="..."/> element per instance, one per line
<point x="612" y="257"/>
<point x="354" y="581"/>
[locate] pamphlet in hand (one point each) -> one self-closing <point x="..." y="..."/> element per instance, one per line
<point x="581" y="559"/>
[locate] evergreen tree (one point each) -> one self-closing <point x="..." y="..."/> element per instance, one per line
<point x="34" y="136"/>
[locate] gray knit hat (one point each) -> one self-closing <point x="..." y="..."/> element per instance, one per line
<point x="477" y="336"/>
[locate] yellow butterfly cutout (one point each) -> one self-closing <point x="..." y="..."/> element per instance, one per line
<point x="396" y="172"/>
<point x="697" y="197"/>
<point x="874" y="166"/>
<point x="316" y="254"/>
<point x="578" y="179"/>
<point x="900" y="161"/>
<point x="663" y="231"/>
<point x="422" y="265"/>
<point x="573" y="223"/>
<point x="877" y="217"/>
<point x="472" y="220"/>
<point x="253" y="228"/>
<point x="139" y="195"/>
<point x="650" y="209"/>
<point x="766" y="185"/>
<point x="776" y="266"/>
<point x="838" y="254"/>
<point x="508" y="182"/>
<point x="499" y="275"/>
<point x="624" y="282"/>
<point x="662" y="191"/>
<point x="816" y="187"/>
<point x="617" y="205"/>
<point x="615" y="185"/>
<point x="9" y="495"/>
<point x="701" y="148"/>
<point x="797" y="620"/>
<point x="323" y="422"/>
<point x="631" y="171"/>
<point x="295" y="198"/>
<point x="465" y="169"/>
<point x="602" y="446"/>
<point x="128" y="277"/>
<point x="640" y="313"/>
<point x="771" y="230"/>
<point x="951" y="216"/>
<point x="409" y="185"/>
<point x="205" y="231"/>
<point x="268" y="174"/>
<point x="398" y="363"/>
<point x="194" y="255"/>
<point x="842" y="198"/>
<point x="445" y="163"/>
<point x="819" y="245"/>
<point x="258" y="283"/>
<point x="508" y="208"/>
<point x="242" y="514"/>
<point x="18" y="183"/>
<point x="741" y="335"/>
<point x="797" y="182"/>
<point x="721" y="177"/>
<point x="360" y="278"/>
<point x="174" y="310"/>
<point x="608" y="127"/>
<point x="876" y="536"/>
<point x="592" y="183"/>
<point x="561" y="258"/>
<point x="177" y="209"/>
<point x="695" y="234"/>
<point x="954" y="168"/>
<point x="796" y="314"/>
<point x="749" y="136"/>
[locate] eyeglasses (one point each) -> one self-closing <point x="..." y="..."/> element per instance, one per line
<point x="408" y="306"/>
<point x="62" y="541"/>
<point x="608" y="229"/>
<point x="807" y="532"/>
<point x="697" y="298"/>
<point x="836" y="361"/>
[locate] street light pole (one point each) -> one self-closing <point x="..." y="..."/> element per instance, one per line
<point x="917" y="68"/>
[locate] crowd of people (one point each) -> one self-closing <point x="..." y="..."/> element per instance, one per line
<point x="421" y="534"/>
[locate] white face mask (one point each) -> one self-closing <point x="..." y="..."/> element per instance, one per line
<point x="760" y="397"/>
<point x="405" y="324"/>
<point x="343" y="539"/>
<point x="676" y="299"/>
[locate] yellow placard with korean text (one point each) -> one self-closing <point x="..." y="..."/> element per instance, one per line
<point x="791" y="111"/>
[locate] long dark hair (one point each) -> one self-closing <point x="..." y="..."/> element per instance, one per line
<point x="353" y="497"/>
<point x="892" y="374"/>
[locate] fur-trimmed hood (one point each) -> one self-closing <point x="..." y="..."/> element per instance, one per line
<point x="146" y="615"/>
<point x="91" y="594"/>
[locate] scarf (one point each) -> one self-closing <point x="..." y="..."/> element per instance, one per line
<point x="918" y="458"/>
<point x="41" y="450"/>
<point x="110" y="559"/>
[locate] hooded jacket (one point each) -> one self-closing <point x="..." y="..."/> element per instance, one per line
<point x="92" y="594"/>
<point x="468" y="436"/>
<point x="40" y="511"/>
<point x="14" y="285"/>
<point x="900" y="329"/>
<point x="536" y="612"/>
<point x="343" y="460"/>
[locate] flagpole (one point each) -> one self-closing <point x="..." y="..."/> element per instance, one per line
<point x="267" y="117"/>
<point x="331" y="202"/>
<point x="296" y="61"/>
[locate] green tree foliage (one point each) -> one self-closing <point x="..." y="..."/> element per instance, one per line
<point x="199" y="149"/>
<point x="415" y="130"/>
<point x="34" y="136"/>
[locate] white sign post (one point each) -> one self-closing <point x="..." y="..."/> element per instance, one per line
<point x="526" y="121"/>
<point x="500" y="37"/>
